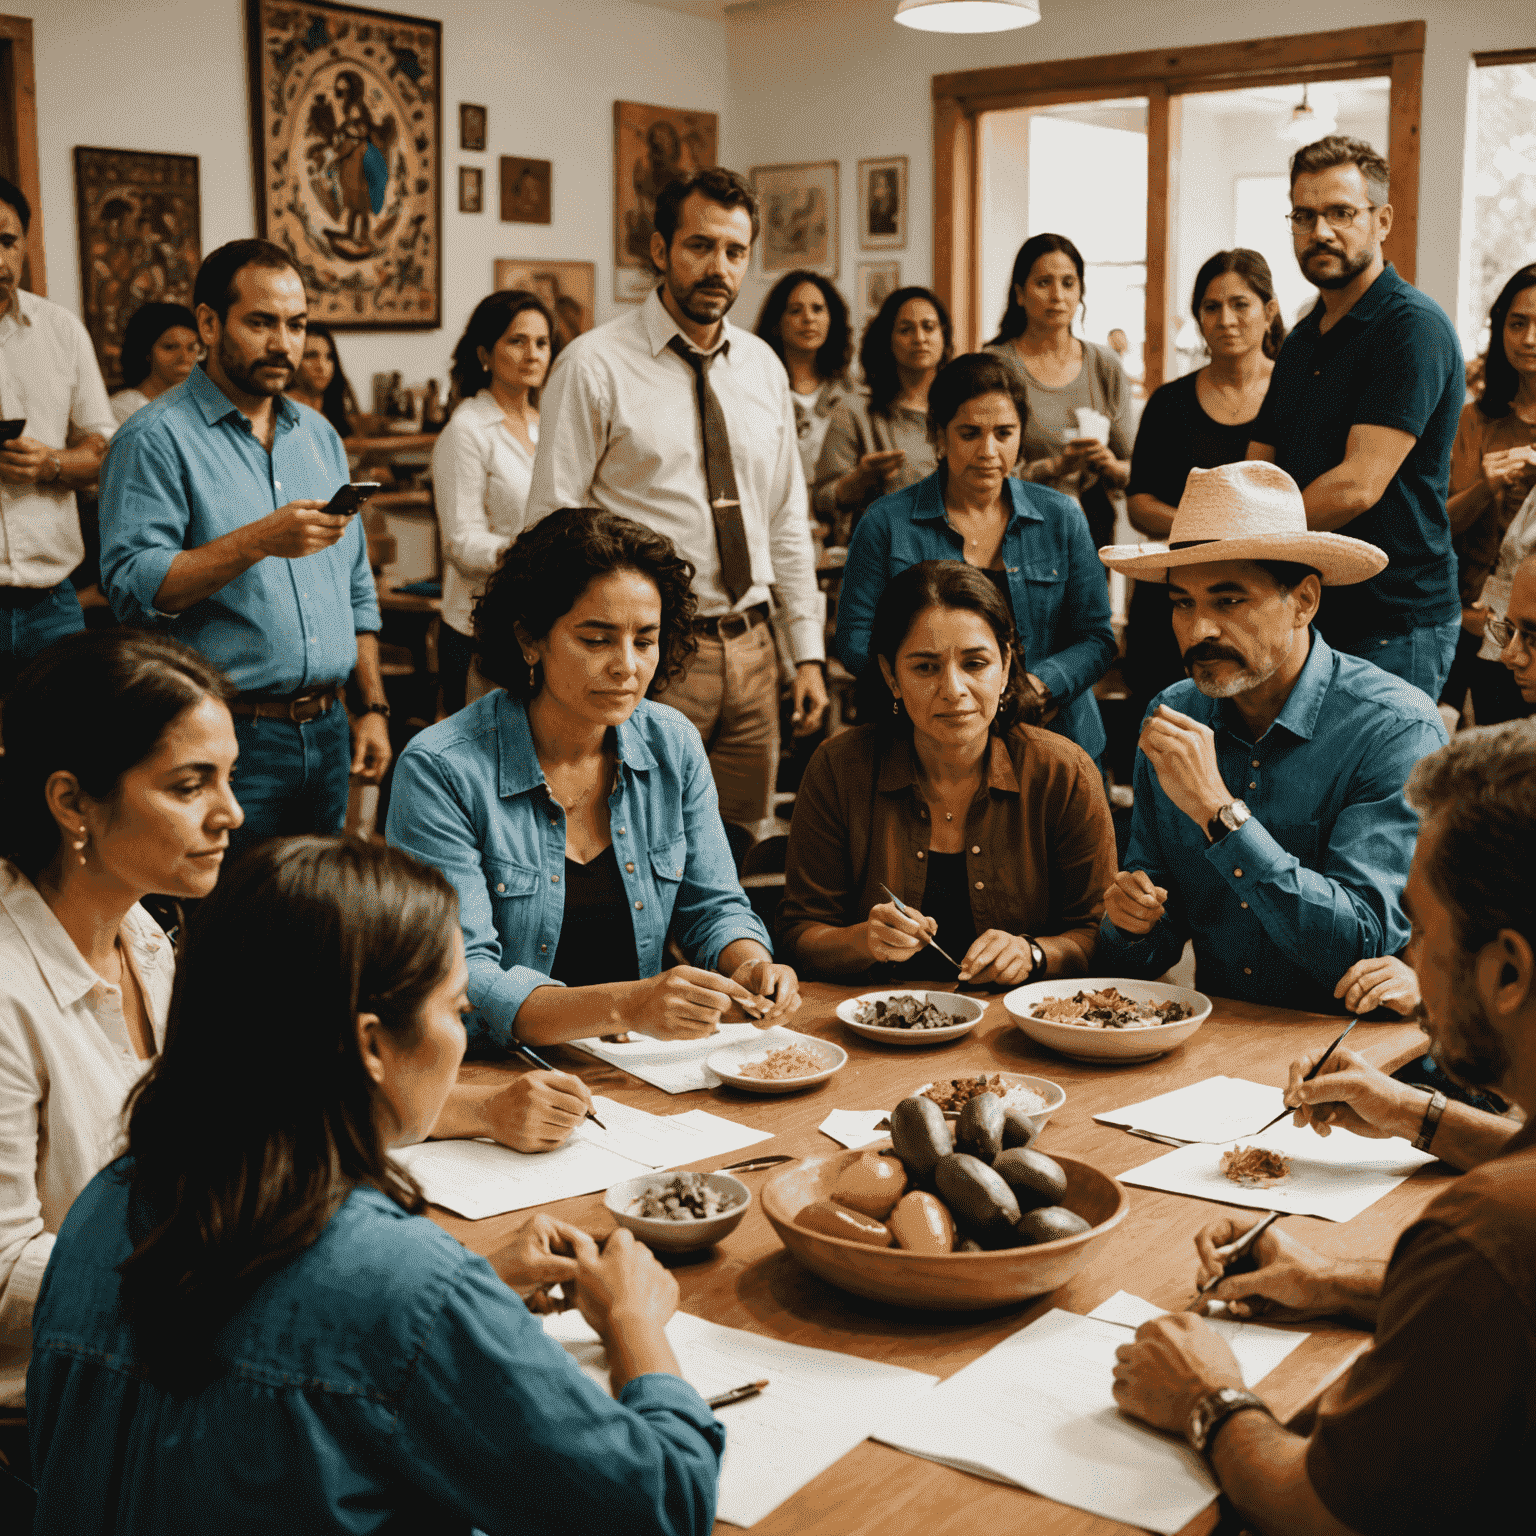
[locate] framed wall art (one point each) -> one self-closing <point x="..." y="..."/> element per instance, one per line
<point x="798" y="205"/>
<point x="878" y="280"/>
<point x="471" y="189"/>
<point x="472" y="126"/>
<point x="883" y="204"/>
<point x="525" y="190"/>
<point x="569" y="288"/>
<point x="347" y="131"/>
<point x="140" y="225"/>
<point x="651" y="145"/>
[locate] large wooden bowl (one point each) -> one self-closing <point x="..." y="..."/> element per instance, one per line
<point x="947" y="1282"/>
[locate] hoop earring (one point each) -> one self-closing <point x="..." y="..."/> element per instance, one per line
<point x="896" y="705"/>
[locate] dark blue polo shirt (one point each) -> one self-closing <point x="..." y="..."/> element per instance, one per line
<point x="1392" y="361"/>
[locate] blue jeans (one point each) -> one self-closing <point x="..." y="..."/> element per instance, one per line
<point x="1422" y="657"/>
<point x="292" y="779"/>
<point x="33" y="624"/>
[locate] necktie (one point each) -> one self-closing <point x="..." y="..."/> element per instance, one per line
<point x="720" y="477"/>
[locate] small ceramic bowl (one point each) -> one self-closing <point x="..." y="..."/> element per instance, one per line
<point x="966" y="1012"/>
<point x="677" y="1236"/>
<point x="726" y="1063"/>
<point x="1053" y="1094"/>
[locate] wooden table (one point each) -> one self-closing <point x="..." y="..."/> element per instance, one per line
<point x="750" y="1282"/>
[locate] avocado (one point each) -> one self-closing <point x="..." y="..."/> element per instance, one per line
<point x="839" y="1221"/>
<point x="970" y="1245"/>
<point x="980" y="1127"/>
<point x="1018" y="1129"/>
<point x="920" y="1135"/>
<point x="922" y="1224"/>
<point x="979" y="1199"/>
<point x="1048" y="1223"/>
<point x="1034" y="1178"/>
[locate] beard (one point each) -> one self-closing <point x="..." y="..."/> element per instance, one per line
<point x="1465" y="1044"/>
<point x="244" y="375"/>
<point x="1350" y="267"/>
<point x="705" y="302"/>
<point x="1241" y="681"/>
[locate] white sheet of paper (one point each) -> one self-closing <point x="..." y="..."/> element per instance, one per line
<point x="1335" y="1177"/>
<point x="1219" y="1109"/>
<point x="674" y="1066"/>
<point x="1038" y="1410"/>
<point x="855" y="1128"/>
<point x="477" y="1179"/>
<point x="1258" y="1349"/>
<point x="817" y="1406"/>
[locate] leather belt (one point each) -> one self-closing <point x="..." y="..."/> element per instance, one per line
<point x="297" y="707"/>
<point x="732" y="626"/>
<point x="21" y="598"/>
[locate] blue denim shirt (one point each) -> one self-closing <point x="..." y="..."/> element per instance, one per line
<point x="1282" y="907"/>
<point x="1056" y="586"/>
<point x="470" y="799"/>
<point x="186" y="470"/>
<point x="385" y="1380"/>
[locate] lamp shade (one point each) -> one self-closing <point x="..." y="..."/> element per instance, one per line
<point x="967" y="15"/>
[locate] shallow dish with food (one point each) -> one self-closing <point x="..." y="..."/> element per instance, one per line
<point x="1014" y="1090"/>
<point x="941" y="1282"/>
<point x="1092" y="1042"/>
<point x="678" y="1236"/>
<point x="728" y="1062"/>
<point x="965" y="1011"/>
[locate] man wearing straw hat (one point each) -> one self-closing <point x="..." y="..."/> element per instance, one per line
<point x="1270" y="825"/>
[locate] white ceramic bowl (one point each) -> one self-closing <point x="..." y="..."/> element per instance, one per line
<point x="1053" y="1094"/>
<point x="966" y="1012"/>
<point x="677" y="1236"/>
<point x="1087" y="1042"/>
<point x="726" y="1063"/>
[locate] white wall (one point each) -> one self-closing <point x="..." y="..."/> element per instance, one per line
<point x="817" y="79"/>
<point x="171" y="75"/>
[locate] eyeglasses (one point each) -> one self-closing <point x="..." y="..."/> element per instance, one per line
<point x="1340" y="216"/>
<point x="1502" y="632"/>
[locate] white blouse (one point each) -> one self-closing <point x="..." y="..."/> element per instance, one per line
<point x="66" y="1065"/>
<point x="480" y="479"/>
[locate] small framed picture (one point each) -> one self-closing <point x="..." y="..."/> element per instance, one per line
<point x="878" y="280"/>
<point x="799" y="211"/>
<point x="883" y="204"/>
<point x="471" y="126"/>
<point x="525" y="190"/>
<point x="471" y="189"/>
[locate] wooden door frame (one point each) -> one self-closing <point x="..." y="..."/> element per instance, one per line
<point x="1163" y="76"/>
<point x="17" y="30"/>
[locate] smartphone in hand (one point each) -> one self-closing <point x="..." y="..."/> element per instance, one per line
<point x="12" y="428"/>
<point x="349" y="498"/>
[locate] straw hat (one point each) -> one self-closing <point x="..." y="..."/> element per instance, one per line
<point x="1246" y="511"/>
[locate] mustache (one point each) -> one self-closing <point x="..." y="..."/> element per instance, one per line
<point x="1206" y="651"/>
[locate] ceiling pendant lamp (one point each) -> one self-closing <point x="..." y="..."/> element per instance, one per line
<point x="1306" y="124"/>
<point x="967" y="15"/>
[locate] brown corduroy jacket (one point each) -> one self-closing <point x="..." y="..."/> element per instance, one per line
<point x="1039" y="842"/>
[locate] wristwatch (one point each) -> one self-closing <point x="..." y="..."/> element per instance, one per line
<point x="1431" y="1121"/>
<point x="1036" y="957"/>
<point x="375" y="709"/>
<point x="1213" y="1410"/>
<point x="1228" y="819"/>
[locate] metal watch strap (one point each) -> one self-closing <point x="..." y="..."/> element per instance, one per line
<point x="1213" y="1410"/>
<point x="1036" y="955"/>
<point x="1229" y="818"/>
<point x="1437" y="1103"/>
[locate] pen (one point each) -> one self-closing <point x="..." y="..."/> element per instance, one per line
<point x="534" y="1059"/>
<point x="1238" y="1250"/>
<point x="902" y="907"/>
<point x="736" y="1395"/>
<point x="1318" y="1067"/>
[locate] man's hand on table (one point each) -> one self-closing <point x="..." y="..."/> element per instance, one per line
<point x="1133" y="904"/>
<point x="1385" y="982"/>
<point x="998" y="959"/>
<point x="1355" y="1096"/>
<point x="1174" y="1361"/>
<point x="1291" y="1282"/>
<point x="1182" y="753"/>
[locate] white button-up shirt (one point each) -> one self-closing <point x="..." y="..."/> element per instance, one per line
<point x="48" y="375"/>
<point x="621" y="430"/>
<point x="66" y="1065"/>
<point x="480" y="479"/>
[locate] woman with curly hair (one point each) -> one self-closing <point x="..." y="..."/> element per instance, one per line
<point x="881" y="444"/>
<point x="576" y="817"/>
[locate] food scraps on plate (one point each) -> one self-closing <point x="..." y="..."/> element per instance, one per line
<point x="907" y="1011"/>
<point x="788" y="1061"/>
<point x="954" y="1095"/>
<point x="1109" y="1009"/>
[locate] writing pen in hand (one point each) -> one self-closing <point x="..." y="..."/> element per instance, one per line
<point x="906" y="911"/>
<point x="1316" y="1068"/>
<point x="533" y="1058"/>
<point x="735" y="1395"/>
<point x="1232" y="1255"/>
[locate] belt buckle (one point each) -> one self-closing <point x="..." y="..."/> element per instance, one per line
<point x="744" y="620"/>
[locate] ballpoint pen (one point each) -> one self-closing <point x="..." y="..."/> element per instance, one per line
<point x="737" y="1395"/>
<point x="533" y="1058"/>
<point x="905" y="911"/>
<point x="1317" y="1067"/>
<point x="1233" y="1253"/>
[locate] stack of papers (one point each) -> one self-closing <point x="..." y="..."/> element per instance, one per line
<point x="1220" y="1109"/>
<point x="1335" y="1176"/>
<point x="675" y="1066"/>
<point x="817" y="1406"/>
<point x="476" y="1179"/>
<point x="1038" y="1410"/>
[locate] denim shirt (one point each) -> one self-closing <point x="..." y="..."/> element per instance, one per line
<point x="383" y="1380"/>
<point x="1282" y="907"/>
<point x="470" y="799"/>
<point x="1056" y="586"/>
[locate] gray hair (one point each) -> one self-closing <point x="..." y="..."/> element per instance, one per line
<point x="1481" y="789"/>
